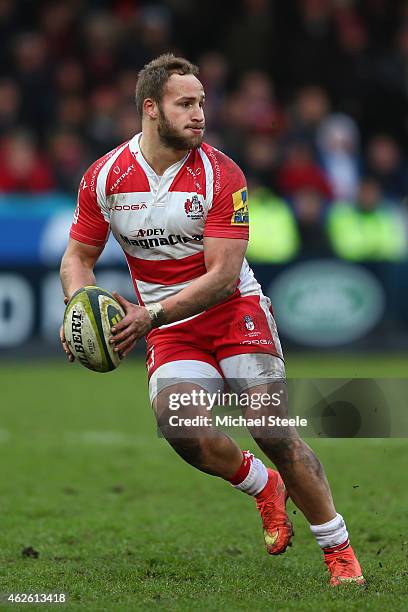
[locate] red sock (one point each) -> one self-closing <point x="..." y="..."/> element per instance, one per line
<point x="333" y="549"/>
<point x="243" y="470"/>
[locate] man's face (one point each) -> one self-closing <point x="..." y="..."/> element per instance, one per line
<point x="181" y="121"/>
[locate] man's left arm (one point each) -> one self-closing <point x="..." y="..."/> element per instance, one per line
<point x="223" y="261"/>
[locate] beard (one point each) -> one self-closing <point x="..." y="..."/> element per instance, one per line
<point x="171" y="137"/>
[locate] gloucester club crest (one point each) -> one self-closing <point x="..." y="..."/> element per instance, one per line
<point x="249" y="326"/>
<point x="193" y="207"/>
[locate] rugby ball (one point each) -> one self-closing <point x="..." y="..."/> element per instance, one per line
<point x="89" y="316"/>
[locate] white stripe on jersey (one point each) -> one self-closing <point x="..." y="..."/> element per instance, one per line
<point x="248" y="285"/>
<point x="152" y="292"/>
<point x="209" y="178"/>
<point x="265" y="304"/>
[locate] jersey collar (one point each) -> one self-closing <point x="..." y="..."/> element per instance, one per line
<point x="134" y="146"/>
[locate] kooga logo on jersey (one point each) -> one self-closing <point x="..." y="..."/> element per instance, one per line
<point x="129" y="207"/>
<point x="151" y="243"/>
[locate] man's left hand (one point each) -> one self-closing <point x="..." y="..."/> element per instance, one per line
<point x="131" y="328"/>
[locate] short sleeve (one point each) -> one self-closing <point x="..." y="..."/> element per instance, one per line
<point x="228" y="216"/>
<point x="89" y="224"/>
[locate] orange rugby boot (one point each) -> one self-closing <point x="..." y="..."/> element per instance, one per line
<point x="343" y="567"/>
<point x="271" y="503"/>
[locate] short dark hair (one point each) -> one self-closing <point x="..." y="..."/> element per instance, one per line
<point x="154" y="76"/>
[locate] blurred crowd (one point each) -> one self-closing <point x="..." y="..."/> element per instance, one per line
<point x="310" y="97"/>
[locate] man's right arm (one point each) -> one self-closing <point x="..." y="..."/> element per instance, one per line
<point x="76" y="271"/>
<point x="77" y="266"/>
<point x="88" y="235"/>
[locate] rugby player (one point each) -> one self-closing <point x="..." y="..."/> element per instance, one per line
<point x="179" y="209"/>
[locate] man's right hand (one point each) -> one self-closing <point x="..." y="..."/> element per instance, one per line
<point x="65" y="346"/>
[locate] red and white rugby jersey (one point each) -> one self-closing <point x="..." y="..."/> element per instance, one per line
<point x="160" y="222"/>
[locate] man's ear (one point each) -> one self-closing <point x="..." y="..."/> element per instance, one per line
<point x="150" y="108"/>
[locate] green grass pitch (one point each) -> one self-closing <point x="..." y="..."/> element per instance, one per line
<point x="121" y="523"/>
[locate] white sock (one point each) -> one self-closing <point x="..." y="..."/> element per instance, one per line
<point x="256" y="478"/>
<point x="330" y="534"/>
